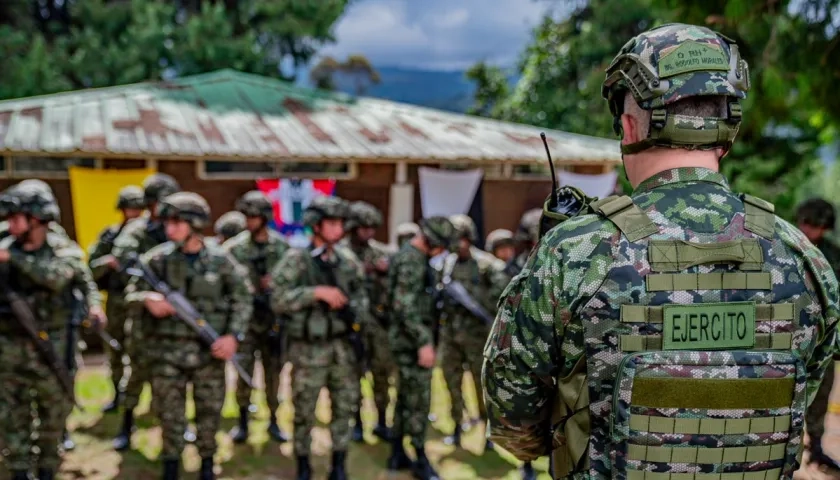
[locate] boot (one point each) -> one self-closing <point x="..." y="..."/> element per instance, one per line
<point x="338" y="472"/>
<point x="488" y="445"/>
<point x="304" y="469"/>
<point x="398" y="459"/>
<point x="21" y="475"/>
<point x="274" y="431"/>
<point x="45" y="474"/>
<point x="115" y="403"/>
<point x="206" y="472"/>
<point x="170" y="469"/>
<point x="122" y="441"/>
<point x="528" y="472"/>
<point x="239" y="433"/>
<point x="67" y="443"/>
<point x="455" y="438"/>
<point x="422" y="469"/>
<point x="381" y="429"/>
<point x="358" y="435"/>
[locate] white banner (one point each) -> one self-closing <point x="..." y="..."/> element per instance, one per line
<point x="447" y="192"/>
<point x="592" y="185"/>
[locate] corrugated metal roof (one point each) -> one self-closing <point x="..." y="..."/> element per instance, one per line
<point x="233" y="115"/>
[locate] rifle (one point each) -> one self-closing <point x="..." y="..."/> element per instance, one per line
<point x="262" y="302"/>
<point x="81" y="318"/>
<point x="345" y="313"/>
<point x="184" y="310"/>
<point x="106" y="281"/>
<point x="26" y="319"/>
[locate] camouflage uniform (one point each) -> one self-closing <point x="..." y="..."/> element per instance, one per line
<point x="43" y="278"/>
<point x="411" y="283"/>
<point x="138" y="237"/>
<point x="226" y="227"/>
<point x="218" y="287"/>
<point x="129" y="197"/>
<point x="405" y="232"/>
<point x="587" y="357"/>
<point x="264" y="334"/>
<point x="371" y="253"/>
<point x="525" y="236"/>
<point x="319" y="346"/>
<point x="462" y="334"/>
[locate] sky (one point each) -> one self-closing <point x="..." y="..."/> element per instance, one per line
<point x="437" y="34"/>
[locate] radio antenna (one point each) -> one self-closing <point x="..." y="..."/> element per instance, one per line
<point x="553" y="175"/>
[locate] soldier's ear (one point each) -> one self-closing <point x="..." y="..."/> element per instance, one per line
<point x="630" y="128"/>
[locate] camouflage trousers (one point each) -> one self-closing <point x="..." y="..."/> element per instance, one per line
<point x="459" y="350"/>
<point x="178" y="363"/>
<point x="330" y="364"/>
<point x="414" y="385"/>
<point x="115" y="327"/>
<point x="141" y="361"/>
<point x="272" y="365"/>
<point x="33" y="407"/>
<point x="382" y="366"/>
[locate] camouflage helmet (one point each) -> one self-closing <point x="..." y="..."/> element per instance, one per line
<point x="30" y="200"/>
<point x="39" y="185"/>
<point x="529" y="226"/>
<point x="157" y="186"/>
<point x="464" y="227"/>
<point x="131" y="196"/>
<point x="255" y="204"/>
<point x="498" y="238"/>
<point x="363" y="214"/>
<point x="188" y="206"/>
<point x="324" y="206"/>
<point x="670" y="63"/>
<point x="439" y="232"/>
<point x="230" y="224"/>
<point x="406" y="231"/>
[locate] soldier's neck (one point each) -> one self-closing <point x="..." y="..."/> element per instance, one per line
<point x="35" y="239"/>
<point x="260" y="236"/>
<point x="645" y="164"/>
<point x="194" y="244"/>
<point x="318" y="242"/>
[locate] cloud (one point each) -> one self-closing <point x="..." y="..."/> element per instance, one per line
<point x="437" y="34"/>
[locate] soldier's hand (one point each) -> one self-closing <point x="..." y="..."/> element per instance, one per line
<point x="331" y="295"/>
<point x="157" y="305"/>
<point x="224" y="348"/>
<point x="426" y="356"/>
<point x="4" y="256"/>
<point x="265" y="282"/>
<point x="98" y="315"/>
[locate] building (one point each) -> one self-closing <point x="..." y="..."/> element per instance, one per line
<point x="218" y="132"/>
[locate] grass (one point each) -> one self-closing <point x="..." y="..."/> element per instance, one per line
<point x="261" y="458"/>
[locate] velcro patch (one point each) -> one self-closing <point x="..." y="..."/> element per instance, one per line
<point x="709" y="326"/>
<point x="692" y="57"/>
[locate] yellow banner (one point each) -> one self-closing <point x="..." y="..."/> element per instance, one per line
<point x="94" y="194"/>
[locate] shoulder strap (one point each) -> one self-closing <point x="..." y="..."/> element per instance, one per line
<point x="627" y="216"/>
<point x="760" y="216"/>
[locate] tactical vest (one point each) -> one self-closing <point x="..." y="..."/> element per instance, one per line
<point x="318" y="323"/>
<point x="694" y="362"/>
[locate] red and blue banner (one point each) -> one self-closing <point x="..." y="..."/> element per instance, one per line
<point x="290" y="197"/>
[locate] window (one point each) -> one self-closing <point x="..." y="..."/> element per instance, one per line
<point x="227" y="170"/>
<point x="123" y="164"/>
<point x="532" y="171"/>
<point x="491" y="171"/>
<point x="26" y="166"/>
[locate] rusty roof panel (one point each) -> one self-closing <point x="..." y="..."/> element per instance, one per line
<point x="228" y="114"/>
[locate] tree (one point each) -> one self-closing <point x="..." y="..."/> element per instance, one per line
<point x="491" y="88"/>
<point x="356" y="71"/>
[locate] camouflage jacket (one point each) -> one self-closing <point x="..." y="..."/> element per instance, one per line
<point x="538" y="334"/>
<point x="484" y="279"/>
<point x="215" y="284"/>
<point x="260" y="259"/>
<point x="293" y="293"/>
<point x="139" y="236"/>
<point x="411" y="282"/>
<point x="376" y="282"/>
<point x="104" y="245"/>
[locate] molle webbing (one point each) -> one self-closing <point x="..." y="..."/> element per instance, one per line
<point x="763" y="341"/>
<point x="627" y="217"/>
<point x="677" y="255"/>
<point x="772" y="474"/>
<point x="762" y="453"/>
<point x="668" y="282"/>
<point x="713" y="393"/>
<point x="709" y="426"/>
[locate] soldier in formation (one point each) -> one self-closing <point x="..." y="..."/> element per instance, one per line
<point x="259" y="249"/>
<point x="405" y="232"/>
<point x="321" y="291"/>
<point x="219" y="289"/>
<point x="683" y="273"/>
<point x="411" y="336"/>
<point x="228" y="225"/>
<point x="361" y="227"/>
<point x="130" y="202"/>
<point x="501" y="244"/>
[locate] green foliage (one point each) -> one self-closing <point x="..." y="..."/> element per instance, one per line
<point x="72" y="44"/>
<point x="356" y="70"/>
<point x="491" y="87"/>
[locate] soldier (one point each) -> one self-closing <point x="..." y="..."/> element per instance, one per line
<point x="131" y="204"/>
<point x="405" y="232"/>
<point x="259" y="249"/>
<point x="462" y="333"/>
<point x="218" y="287"/>
<point x="816" y="218"/>
<point x="138" y="237"/>
<point x="684" y="314"/>
<point x="501" y="244"/>
<point x="320" y="290"/>
<point x="525" y="238"/>
<point x="361" y="227"/>
<point x="229" y="225"/>
<point x="411" y="339"/>
<point x="41" y="267"/>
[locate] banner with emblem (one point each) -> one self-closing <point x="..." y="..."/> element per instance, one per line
<point x="290" y="197"/>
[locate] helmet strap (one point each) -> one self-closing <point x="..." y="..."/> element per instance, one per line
<point x="688" y="132"/>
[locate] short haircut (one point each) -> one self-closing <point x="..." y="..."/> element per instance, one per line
<point x="816" y="212"/>
<point x="696" y="106"/>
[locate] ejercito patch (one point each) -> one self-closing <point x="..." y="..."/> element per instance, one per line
<point x="709" y="326"/>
